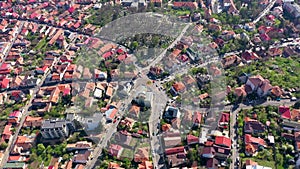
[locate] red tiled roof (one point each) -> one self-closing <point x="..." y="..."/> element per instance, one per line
<point x="285" y="112"/>
<point x="192" y="139"/>
<point x="191" y="5"/>
<point x="223" y="141"/>
<point x="15" y="114"/>
<point x="174" y="150"/>
<point x="249" y="139"/>
<point x="178" y="86"/>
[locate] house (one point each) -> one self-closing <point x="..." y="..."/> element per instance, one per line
<point x="188" y="5"/>
<point x="288" y="51"/>
<point x="223" y="141"/>
<point x="197" y="119"/>
<point x="156" y="71"/>
<point x="145" y="165"/>
<point x="249" y="56"/>
<point x="134" y="111"/>
<point x="80" y="145"/>
<point x="240" y="91"/>
<point x="290" y="125"/>
<point x="109" y="92"/>
<point x="82" y="157"/>
<point x="25" y="142"/>
<point x="115" y="150"/>
<point x="56" y="129"/>
<point x="123" y="138"/>
<point x="208" y="152"/>
<point x="273" y="52"/>
<point x="295" y="115"/>
<point x="33" y="121"/>
<point x="171" y="139"/>
<point x="224" y="120"/>
<point x="166" y="127"/>
<point x="260" y="85"/>
<point x="175" y="150"/>
<point x="112" y="165"/>
<point x="276" y="91"/>
<point x="214" y="27"/>
<point x="41" y="70"/>
<point x="231" y="61"/>
<point x="4" y="83"/>
<point x="284" y="112"/>
<point x="110" y="114"/>
<point x="20" y="165"/>
<point x="293" y="9"/>
<point x="252" y="144"/>
<point x="157" y="3"/>
<point x="99" y="75"/>
<point x="253" y="126"/>
<point x="16" y="159"/>
<point x="6" y="134"/>
<point x="212" y="163"/>
<point x="141" y="155"/>
<point x="171" y="113"/>
<point x="14" y="117"/>
<point x="192" y="139"/>
<point x="221" y="152"/>
<point x="176" y="88"/>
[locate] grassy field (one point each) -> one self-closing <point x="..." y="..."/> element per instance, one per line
<point x="264" y="163"/>
<point x="283" y="72"/>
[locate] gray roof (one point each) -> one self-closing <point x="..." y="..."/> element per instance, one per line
<point x="49" y="124"/>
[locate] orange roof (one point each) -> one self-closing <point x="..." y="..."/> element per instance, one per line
<point x="175" y="53"/>
<point x="69" y="165"/>
<point x="250" y="162"/>
<point x="276" y="90"/>
<point x="240" y="91"/>
<point x="113" y="113"/>
<point x="80" y="166"/>
<point x="166" y="127"/>
<point x="178" y="86"/>
<point x="30" y="118"/>
<point x="109" y="91"/>
<point x="135" y="109"/>
<point x="295" y="113"/>
<point x="203" y="96"/>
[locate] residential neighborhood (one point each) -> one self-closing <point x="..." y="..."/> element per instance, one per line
<point x="88" y="84"/>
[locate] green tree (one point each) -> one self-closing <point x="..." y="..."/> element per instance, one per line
<point x="279" y="159"/>
<point x="3" y="146"/>
<point x="40" y="149"/>
<point x="134" y="45"/>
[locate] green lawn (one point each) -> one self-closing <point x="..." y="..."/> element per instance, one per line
<point x="127" y="153"/>
<point x="264" y="163"/>
<point x="41" y="44"/>
<point x="284" y="72"/>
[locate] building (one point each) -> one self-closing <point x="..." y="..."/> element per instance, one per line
<point x="115" y="150"/>
<point x="171" y="113"/>
<point x="56" y="129"/>
<point x="143" y="97"/>
<point x="15" y="166"/>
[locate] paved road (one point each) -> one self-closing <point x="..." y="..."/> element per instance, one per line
<point x="12" y="140"/>
<point x="159" y="57"/>
<point x="233" y="130"/>
<point x="161" y="99"/>
<point x="265" y="11"/>
<point x="16" y="33"/>
<point x="112" y="129"/>
<point x="25" y="113"/>
<point x="153" y="119"/>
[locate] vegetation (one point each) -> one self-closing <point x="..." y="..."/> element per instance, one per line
<point x="286" y="73"/>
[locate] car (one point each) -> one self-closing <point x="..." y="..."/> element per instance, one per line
<point x="293" y="99"/>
